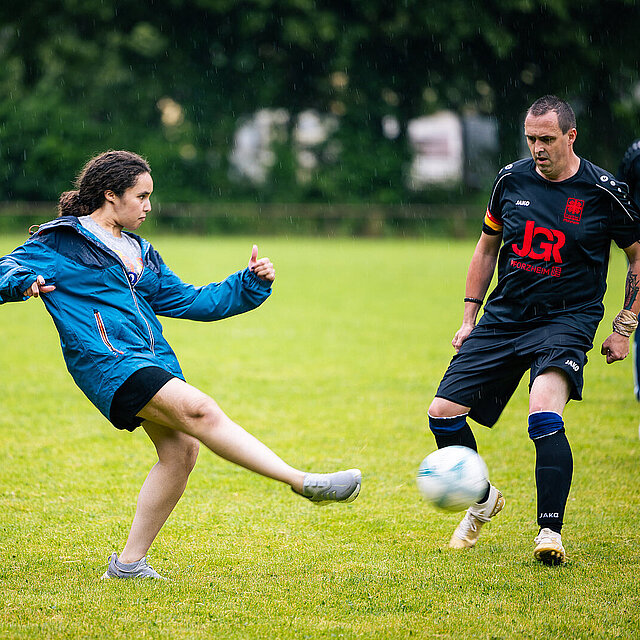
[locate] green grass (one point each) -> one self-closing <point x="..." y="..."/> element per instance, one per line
<point x="335" y="370"/>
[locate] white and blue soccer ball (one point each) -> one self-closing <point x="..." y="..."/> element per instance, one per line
<point x="453" y="478"/>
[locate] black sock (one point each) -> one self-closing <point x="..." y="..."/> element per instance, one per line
<point x="463" y="437"/>
<point x="554" y="468"/>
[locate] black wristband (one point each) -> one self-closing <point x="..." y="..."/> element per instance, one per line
<point x="476" y="300"/>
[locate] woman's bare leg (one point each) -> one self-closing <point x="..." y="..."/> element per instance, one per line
<point x="179" y="416"/>
<point x="177" y="453"/>
<point x="180" y="406"/>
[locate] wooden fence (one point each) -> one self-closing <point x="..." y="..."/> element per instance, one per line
<point x="237" y="217"/>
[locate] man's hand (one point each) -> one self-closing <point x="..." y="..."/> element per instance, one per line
<point x="461" y="335"/>
<point x="615" y="347"/>
<point x="37" y="288"/>
<point x="263" y="267"/>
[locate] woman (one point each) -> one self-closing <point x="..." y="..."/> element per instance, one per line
<point x="104" y="289"/>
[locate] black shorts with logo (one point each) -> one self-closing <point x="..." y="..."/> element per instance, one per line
<point x="486" y="371"/>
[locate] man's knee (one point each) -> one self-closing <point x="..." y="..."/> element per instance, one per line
<point x="550" y="391"/>
<point x="443" y="408"/>
<point x="446" y="417"/>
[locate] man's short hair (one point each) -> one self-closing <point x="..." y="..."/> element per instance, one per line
<point x="566" y="116"/>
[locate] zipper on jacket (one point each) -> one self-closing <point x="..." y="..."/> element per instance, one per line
<point x="152" y="342"/>
<point x="103" y="247"/>
<point x="103" y="333"/>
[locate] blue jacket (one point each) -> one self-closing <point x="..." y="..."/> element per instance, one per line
<point x="108" y="326"/>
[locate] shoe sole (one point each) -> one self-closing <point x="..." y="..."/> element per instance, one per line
<point x="500" y="502"/>
<point x="551" y="556"/>
<point x="461" y="543"/>
<point x="356" y="492"/>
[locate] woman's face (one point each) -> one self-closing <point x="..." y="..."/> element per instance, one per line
<point x="131" y="208"/>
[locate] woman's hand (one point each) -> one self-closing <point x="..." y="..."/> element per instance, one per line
<point x="263" y="268"/>
<point x="37" y="288"/>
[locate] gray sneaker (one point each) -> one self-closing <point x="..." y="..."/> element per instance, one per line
<point x="324" y="488"/>
<point x="139" y="569"/>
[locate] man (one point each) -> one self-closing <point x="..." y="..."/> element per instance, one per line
<point x="629" y="172"/>
<point x="548" y="226"/>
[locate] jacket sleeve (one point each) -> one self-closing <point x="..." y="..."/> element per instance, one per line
<point x="240" y="292"/>
<point x="18" y="270"/>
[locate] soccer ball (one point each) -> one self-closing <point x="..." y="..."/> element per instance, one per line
<point x="453" y="478"/>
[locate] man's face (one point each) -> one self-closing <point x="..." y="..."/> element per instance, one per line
<point x="552" y="150"/>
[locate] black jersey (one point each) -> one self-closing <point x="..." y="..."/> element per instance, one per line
<point x="629" y="171"/>
<point x="556" y="241"/>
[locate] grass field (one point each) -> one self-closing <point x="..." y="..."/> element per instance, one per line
<point x="335" y="370"/>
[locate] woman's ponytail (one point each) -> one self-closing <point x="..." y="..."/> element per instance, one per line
<point x="71" y="205"/>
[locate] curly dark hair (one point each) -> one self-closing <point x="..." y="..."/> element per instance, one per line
<point x="566" y="116"/>
<point x="114" y="171"/>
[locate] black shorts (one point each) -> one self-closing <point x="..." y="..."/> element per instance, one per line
<point x="134" y="393"/>
<point x="486" y="371"/>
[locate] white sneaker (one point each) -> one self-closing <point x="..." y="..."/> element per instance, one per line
<point x="549" y="549"/>
<point x="468" y="531"/>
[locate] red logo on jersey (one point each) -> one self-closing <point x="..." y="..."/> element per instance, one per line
<point x="550" y="241"/>
<point x="573" y="210"/>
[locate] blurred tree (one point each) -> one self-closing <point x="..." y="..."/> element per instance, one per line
<point x="171" y="79"/>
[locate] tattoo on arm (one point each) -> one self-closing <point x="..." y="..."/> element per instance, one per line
<point x="631" y="289"/>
